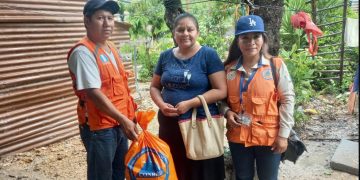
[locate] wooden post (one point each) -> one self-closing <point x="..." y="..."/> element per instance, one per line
<point x="343" y="44"/>
<point x="314" y="14"/>
<point x="313" y="10"/>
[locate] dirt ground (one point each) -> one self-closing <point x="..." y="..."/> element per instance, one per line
<point x="65" y="160"/>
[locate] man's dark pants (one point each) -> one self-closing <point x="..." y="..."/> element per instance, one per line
<point x="106" y="151"/>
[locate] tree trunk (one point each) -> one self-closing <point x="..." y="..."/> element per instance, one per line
<point x="172" y="9"/>
<point x="271" y="11"/>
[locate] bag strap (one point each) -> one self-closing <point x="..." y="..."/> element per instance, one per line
<point x="207" y="113"/>
<point x="275" y="77"/>
<point x="273" y="71"/>
<point x="193" y="118"/>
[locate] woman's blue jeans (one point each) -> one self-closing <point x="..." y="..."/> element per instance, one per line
<point x="267" y="162"/>
<point x="106" y="151"/>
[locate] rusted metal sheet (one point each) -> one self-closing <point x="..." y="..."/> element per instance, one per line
<point x="37" y="103"/>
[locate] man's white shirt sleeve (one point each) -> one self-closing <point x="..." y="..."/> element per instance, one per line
<point x="82" y="64"/>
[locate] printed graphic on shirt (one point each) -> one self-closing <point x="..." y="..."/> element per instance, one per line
<point x="104" y="58"/>
<point x="187" y="76"/>
<point x="179" y="79"/>
<point x="266" y="74"/>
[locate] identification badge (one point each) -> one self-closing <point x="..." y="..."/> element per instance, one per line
<point x="245" y="119"/>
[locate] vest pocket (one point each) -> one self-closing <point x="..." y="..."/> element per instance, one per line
<point x="119" y="90"/>
<point x="105" y="88"/>
<point x="118" y="87"/>
<point x="263" y="135"/>
<point x="118" y="95"/>
<point x="259" y="105"/>
<point x="258" y="134"/>
<point x="120" y="98"/>
<point x="272" y="134"/>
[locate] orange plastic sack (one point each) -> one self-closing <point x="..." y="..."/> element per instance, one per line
<point x="149" y="158"/>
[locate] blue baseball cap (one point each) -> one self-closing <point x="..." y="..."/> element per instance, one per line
<point x="251" y="23"/>
<point x="92" y="6"/>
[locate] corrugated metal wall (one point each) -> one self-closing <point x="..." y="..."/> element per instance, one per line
<point x="37" y="104"/>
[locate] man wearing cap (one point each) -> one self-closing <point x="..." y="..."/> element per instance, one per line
<point x="257" y="127"/>
<point x="106" y="111"/>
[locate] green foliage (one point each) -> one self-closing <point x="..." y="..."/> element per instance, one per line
<point x="148" y="57"/>
<point x="126" y="49"/>
<point x="291" y="36"/>
<point x="219" y="44"/>
<point x="300" y="116"/>
<point x="213" y="33"/>
<point x="324" y="17"/>
<point x="146" y="18"/>
<point x="302" y="72"/>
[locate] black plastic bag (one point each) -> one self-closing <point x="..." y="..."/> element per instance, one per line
<point x="295" y="148"/>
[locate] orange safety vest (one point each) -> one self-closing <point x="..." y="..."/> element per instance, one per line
<point x="259" y="102"/>
<point x="114" y="85"/>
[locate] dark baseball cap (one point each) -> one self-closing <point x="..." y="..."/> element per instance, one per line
<point x="93" y="5"/>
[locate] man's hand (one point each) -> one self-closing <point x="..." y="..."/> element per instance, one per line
<point x="280" y="145"/>
<point x="130" y="129"/>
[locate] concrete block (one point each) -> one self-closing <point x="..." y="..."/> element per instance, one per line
<point x="346" y="157"/>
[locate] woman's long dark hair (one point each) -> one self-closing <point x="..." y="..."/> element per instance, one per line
<point x="235" y="53"/>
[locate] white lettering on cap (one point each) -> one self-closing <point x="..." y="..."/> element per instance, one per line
<point x="252" y="22"/>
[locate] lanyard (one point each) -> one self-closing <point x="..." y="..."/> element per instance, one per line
<point x="244" y="86"/>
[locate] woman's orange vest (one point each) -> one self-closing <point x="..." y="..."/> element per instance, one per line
<point x="259" y="102"/>
<point x="114" y="85"/>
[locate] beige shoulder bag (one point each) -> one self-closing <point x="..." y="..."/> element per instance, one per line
<point x="203" y="138"/>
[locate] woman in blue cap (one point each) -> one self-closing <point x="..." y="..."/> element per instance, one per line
<point x="257" y="127"/>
